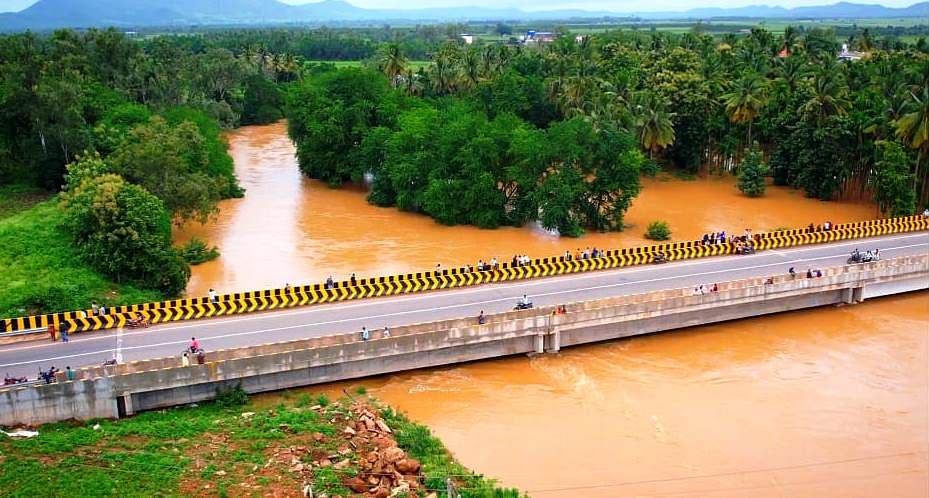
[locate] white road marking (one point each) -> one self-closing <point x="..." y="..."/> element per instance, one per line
<point x="452" y="306"/>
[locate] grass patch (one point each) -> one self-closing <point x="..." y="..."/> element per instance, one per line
<point x="212" y="450"/>
<point x="17" y="198"/>
<point x="43" y="273"/>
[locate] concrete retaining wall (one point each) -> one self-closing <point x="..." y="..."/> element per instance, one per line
<point x="163" y="382"/>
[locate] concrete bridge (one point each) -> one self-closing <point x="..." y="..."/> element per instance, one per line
<point x="313" y="356"/>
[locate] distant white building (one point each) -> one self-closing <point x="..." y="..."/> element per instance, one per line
<point x="539" y="37"/>
<point x="468" y="38"/>
<point x="849" y="55"/>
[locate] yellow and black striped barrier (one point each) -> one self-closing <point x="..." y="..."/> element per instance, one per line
<point x="269" y="299"/>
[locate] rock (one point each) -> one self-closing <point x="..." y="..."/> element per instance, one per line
<point x="432" y="495"/>
<point x="393" y="454"/>
<point x="373" y="481"/>
<point x="342" y="464"/>
<point x="384" y="442"/>
<point x="96" y="427"/>
<point x="325" y="462"/>
<point x="316" y="407"/>
<point x="402" y="488"/>
<point x="348" y="430"/>
<point x="318" y="436"/>
<point x="297" y="468"/>
<point x="408" y="466"/>
<point x="372" y="456"/>
<point x="357" y="484"/>
<point x="247" y="415"/>
<point x="344" y="450"/>
<point x="383" y="426"/>
<point x="381" y="492"/>
<point x="369" y="424"/>
<point x="307" y="491"/>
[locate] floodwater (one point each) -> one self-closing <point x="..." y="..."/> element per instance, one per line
<point x="821" y="403"/>
<point x="289" y="229"/>
<point x="826" y="403"/>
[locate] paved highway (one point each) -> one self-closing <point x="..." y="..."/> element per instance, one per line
<point x="25" y="359"/>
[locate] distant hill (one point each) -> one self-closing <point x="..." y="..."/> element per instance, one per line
<point x="51" y="14"/>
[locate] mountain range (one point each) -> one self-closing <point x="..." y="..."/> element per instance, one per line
<point x="52" y="14"/>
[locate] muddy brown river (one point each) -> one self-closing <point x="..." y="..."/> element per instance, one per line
<point x="823" y="403"/>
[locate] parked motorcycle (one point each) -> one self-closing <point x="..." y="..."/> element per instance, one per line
<point x="522" y="305"/>
<point x="863" y="257"/>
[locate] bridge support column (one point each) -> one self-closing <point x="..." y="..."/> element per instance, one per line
<point x="124" y="405"/>
<point x="554" y="340"/>
<point x="858" y="294"/>
<point x="848" y="295"/>
<point x="540" y="342"/>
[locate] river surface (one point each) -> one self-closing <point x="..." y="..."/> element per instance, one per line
<point x="826" y="403"/>
<point x="823" y="403"/>
<point x="288" y="229"/>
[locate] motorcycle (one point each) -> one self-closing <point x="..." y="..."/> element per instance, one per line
<point x="522" y="305"/>
<point x="139" y="323"/>
<point x="9" y="381"/>
<point x="659" y="258"/>
<point x="746" y="250"/>
<point x="863" y="257"/>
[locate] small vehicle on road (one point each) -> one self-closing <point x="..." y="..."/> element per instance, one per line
<point x="138" y="322"/>
<point x="660" y="258"/>
<point x="863" y="257"/>
<point x="523" y="304"/>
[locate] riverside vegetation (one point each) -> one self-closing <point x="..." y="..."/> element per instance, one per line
<point x="126" y="133"/>
<point x="352" y="446"/>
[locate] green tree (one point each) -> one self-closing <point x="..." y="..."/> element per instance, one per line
<point x="892" y="180"/>
<point x="656" y="130"/>
<point x="171" y="163"/>
<point x="752" y="173"/>
<point x="746" y="100"/>
<point x="124" y="232"/>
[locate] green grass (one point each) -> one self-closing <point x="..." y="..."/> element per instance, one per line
<point x="41" y="269"/>
<point x="180" y="451"/>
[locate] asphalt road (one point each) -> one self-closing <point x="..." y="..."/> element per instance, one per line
<point x="26" y="359"/>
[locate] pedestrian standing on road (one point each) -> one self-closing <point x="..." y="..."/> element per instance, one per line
<point x="94" y="308"/>
<point x="185" y="360"/>
<point x="365" y="335"/>
<point x="51" y="332"/>
<point x="353" y="280"/>
<point x="64" y="334"/>
<point x="481" y="319"/>
<point x="102" y="310"/>
<point x="69" y="374"/>
<point x="386" y="332"/>
<point x="213" y="296"/>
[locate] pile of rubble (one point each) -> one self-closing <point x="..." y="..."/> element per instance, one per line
<point x="380" y="469"/>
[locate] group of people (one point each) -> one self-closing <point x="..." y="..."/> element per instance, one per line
<point x="521" y="260"/>
<point x="587" y="253"/>
<point x="49" y="376"/>
<point x="705" y="289"/>
<point x="366" y="334"/>
<point x="825" y="227"/>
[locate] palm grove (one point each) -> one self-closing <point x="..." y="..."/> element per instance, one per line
<point x="495" y="134"/>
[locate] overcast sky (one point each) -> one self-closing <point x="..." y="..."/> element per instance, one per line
<point x="614" y="5"/>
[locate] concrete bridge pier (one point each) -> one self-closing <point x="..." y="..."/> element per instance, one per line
<point x="853" y="295"/>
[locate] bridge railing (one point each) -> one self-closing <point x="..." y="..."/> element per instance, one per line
<point x="270" y="299"/>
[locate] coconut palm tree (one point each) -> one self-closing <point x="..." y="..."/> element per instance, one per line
<point x="913" y="128"/>
<point x="470" y="68"/>
<point x="746" y="100"/>
<point x="829" y="94"/>
<point x="392" y="61"/>
<point x="655" y="128"/>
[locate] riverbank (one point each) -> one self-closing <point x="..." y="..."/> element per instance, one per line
<point x="41" y="269"/>
<point x="352" y="446"/>
<point x="302" y="231"/>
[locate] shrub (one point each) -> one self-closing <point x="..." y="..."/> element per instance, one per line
<point x="752" y="173"/>
<point x="124" y="231"/>
<point x="196" y="251"/>
<point x="658" y="230"/>
<point x="231" y="396"/>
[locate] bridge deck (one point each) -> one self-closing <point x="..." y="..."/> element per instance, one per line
<point x="237" y="331"/>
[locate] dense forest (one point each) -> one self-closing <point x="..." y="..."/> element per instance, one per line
<point x="122" y="134"/>
<point x="129" y="131"/>
<point x="498" y="134"/>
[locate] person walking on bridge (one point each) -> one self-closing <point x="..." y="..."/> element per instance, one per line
<point x="194" y="345"/>
<point x="365" y="335"/>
